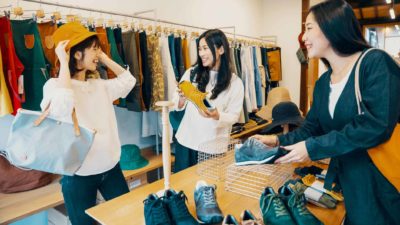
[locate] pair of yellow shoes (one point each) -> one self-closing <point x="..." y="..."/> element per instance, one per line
<point x="198" y="98"/>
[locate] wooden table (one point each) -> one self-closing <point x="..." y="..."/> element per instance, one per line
<point x="16" y="206"/>
<point x="128" y="209"/>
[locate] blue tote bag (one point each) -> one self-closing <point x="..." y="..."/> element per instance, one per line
<point x="40" y="142"/>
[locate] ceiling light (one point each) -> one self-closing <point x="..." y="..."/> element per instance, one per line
<point x="388" y="1"/>
<point x="391" y="12"/>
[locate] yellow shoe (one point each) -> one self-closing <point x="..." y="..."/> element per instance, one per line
<point x="197" y="97"/>
<point x="310" y="179"/>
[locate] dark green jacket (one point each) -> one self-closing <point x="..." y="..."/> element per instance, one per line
<point x="346" y="138"/>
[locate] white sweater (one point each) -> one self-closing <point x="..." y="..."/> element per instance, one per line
<point x="93" y="102"/>
<point x="195" y="130"/>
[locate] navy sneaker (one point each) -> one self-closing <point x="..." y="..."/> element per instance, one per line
<point x="273" y="208"/>
<point x="177" y="208"/>
<point x="155" y="211"/>
<point x="230" y="220"/>
<point x="207" y="208"/>
<point x="248" y="218"/>
<point x="296" y="204"/>
<point x="254" y="151"/>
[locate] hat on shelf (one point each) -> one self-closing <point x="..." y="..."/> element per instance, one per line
<point x="131" y="158"/>
<point x="275" y="96"/>
<point x="284" y="113"/>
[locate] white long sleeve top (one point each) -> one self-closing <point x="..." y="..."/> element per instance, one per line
<point x="93" y="102"/>
<point x="196" y="130"/>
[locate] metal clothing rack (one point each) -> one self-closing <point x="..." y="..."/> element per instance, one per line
<point x="155" y="19"/>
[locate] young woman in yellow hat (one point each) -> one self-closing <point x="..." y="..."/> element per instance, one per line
<point x="78" y="53"/>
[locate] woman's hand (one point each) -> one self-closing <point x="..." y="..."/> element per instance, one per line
<point x="182" y="98"/>
<point x="270" y="140"/>
<point x="298" y="153"/>
<point x="214" y="114"/>
<point x="63" y="56"/>
<point x="103" y="57"/>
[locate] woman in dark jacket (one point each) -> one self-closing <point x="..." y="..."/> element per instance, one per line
<point x="334" y="129"/>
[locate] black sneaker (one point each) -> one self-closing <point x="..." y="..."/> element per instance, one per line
<point x="230" y="220"/>
<point x="177" y="208"/>
<point x="273" y="208"/>
<point x="207" y="208"/>
<point x="296" y="204"/>
<point x="155" y="211"/>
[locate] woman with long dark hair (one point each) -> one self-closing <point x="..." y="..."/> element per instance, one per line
<point x="212" y="74"/>
<point x="333" y="127"/>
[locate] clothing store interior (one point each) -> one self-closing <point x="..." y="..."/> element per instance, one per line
<point x="182" y="112"/>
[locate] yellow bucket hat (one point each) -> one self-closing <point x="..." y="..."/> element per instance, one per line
<point x="74" y="32"/>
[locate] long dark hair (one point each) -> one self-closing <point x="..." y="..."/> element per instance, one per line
<point x="215" y="39"/>
<point x="87" y="43"/>
<point x="340" y="26"/>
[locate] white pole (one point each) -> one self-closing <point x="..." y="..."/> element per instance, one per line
<point x="166" y="148"/>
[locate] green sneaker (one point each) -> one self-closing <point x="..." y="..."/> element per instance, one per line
<point x="273" y="208"/>
<point x="296" y="203"/>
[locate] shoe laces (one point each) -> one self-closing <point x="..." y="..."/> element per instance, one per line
<point x="157" y="212"/>
<point x="179" y="204"/>
<point x="297" y="200"/>
<point x="209" y="196"/>
<point x="279" y="207"/>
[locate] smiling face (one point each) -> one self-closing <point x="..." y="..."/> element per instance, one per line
<point x="205" y="54"/>
<point x="314" y="39"/>
<point x="89" y="59"/>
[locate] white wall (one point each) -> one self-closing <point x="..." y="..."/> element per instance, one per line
<point x="283" y="19"/>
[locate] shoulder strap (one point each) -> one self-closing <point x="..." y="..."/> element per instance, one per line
<point x="357" y="81"/>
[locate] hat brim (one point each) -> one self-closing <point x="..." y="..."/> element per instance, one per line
<point x="73" y="43"/>
<point x="297" y="121"/>
<point x="80" y="39"/>
<point x="133" y="165"/>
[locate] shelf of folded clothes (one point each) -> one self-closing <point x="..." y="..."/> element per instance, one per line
<point x="241" y="130"/>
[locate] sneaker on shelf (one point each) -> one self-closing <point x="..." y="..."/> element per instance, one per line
<point x="253" y="152"/>
<point x="296" y="204"/>
<point x="207" y="208"/>
<point x="248" y="218"/>
<point x="230" y="220"/>
<point x="177" y="208"/>
<point x="273" y="208"/>
<point x="155" y="211"/>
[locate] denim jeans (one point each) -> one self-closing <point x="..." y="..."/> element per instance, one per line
<point x="80" y="192"/>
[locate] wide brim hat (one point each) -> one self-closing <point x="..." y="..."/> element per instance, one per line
<point x="284" y="113"/>
<point x="72" y="31"/>
<point x="131" y="158"/>
<point x="275" y="96"/>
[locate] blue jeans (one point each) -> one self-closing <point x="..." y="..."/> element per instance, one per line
<point x="80" y="192"/>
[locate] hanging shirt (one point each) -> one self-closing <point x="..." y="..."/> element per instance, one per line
<point x="92" y="100"/>
<point x="5" y="101"/>
<point x="195" y="130"/>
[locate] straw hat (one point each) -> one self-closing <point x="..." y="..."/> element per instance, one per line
<point x="275" y="96"/>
